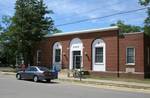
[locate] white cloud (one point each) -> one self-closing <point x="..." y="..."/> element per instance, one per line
<point x="62" y="6"/>
<point x="77" y="9"/>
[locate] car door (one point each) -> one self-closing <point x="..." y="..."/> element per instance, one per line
<point x="26" y="73"/>
<point x="32" y="72"/>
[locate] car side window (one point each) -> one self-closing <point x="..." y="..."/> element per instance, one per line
<point x="28" y="69"/>
<point x="33" y="69"/>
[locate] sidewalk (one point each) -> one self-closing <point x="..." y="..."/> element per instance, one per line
<point x="145" y="86"/>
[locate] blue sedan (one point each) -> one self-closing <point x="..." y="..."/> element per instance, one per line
<point x="36" y="73"/>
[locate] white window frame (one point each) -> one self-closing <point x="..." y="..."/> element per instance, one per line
<point x="38" y="62"/>
<point x="59" y="55"/>
<point x="95" y="55"/>
<point x="127" y="56"/>
<point x="95" y="65"/>
<point x="57" y="45"/>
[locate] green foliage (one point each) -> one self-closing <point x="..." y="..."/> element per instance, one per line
<point x="0" y="28"/>
<point x="56" y="31"/>
<point x="6" y="21"/>
<point x="7" y="48"/>
<point x="30" y="24"/>
<point x="147" y="20"/>
<point x="22" y="32"/>
<point x="147" y="23"/>
<point x="126" y="28"/>
<point x="144" y="2"/>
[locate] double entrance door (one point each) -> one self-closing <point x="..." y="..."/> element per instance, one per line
<point x="77" y="59"/>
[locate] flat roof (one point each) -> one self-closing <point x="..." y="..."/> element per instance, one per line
<point x="83" y="31"/>
<point x="132" y="33"/>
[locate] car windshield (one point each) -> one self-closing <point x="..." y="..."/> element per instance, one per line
<point x="43" y="68"/>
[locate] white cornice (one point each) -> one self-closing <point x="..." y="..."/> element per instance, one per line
<point x="84" y="31"/>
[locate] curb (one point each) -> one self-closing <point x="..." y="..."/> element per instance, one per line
<point x="107" y="87"/>
<point x="85" y="82"/>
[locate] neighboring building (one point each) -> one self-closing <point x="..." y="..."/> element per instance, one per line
<point x="102" y="52"/>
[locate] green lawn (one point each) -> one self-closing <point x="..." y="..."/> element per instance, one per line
<point x="121" y="79"/>
<point x="7" y="69"/>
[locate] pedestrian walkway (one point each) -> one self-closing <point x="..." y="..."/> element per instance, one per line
<point x="63" y="76"/>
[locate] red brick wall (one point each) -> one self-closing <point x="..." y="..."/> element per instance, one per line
<point x="109" y="37"/>
<point x="136" y="41"/>
<point x="112" y="43"/>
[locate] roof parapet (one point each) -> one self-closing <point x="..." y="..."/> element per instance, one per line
<point x="84" y="31"/>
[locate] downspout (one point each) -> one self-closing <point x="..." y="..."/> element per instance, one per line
<point x="118" y="48"/>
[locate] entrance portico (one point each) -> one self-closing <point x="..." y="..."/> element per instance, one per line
<point x="76" y="54"/>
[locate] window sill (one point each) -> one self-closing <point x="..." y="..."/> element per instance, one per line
<point x="55" y="63"/>
<point x="132" y="64"/>
<point x="99" y="63"/>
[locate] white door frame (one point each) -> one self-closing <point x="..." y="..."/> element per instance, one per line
<point x="75" y="45"/>
<point x="75" y="59"/>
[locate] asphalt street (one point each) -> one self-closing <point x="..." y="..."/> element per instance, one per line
<point x="12" y="88"/>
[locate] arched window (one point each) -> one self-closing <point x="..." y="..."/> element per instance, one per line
<point x="57" y="51"/>
<point x="98" y="55"/>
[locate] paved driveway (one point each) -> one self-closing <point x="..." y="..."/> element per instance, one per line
<point x="12" y="88"/>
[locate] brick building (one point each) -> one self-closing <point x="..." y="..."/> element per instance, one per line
<point x="102" y="52"/>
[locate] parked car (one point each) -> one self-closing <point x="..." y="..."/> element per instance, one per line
<point x="36" y="73"/>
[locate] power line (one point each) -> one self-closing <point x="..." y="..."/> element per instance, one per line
<point x="92" y="10"/>
<point x="119" y="13"/>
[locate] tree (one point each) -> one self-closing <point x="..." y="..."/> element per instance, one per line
<point x="124" y="28"/>
<point x="6" y="22"/>
<point x="56" y="31"/>
<point x="147" y="20"/>
<point x="29" y="25"/>
<point x="0" y="28"/>
<point x="7" y="51"/>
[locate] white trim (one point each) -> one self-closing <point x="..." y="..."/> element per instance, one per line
<point x="75" y="45"/>
<point x="130" y="63"/>
<point x="57" y="45"/>
<point x="98" y="66"/>
<point x="84" y="31"/>
<point x="98" y="63"/>
<point x="127" y="56"/>
<point x="37" y="56"/>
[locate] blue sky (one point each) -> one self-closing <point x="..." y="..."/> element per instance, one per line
<point x="73" y="10"/>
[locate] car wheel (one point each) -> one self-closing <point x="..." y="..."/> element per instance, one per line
<point x="18" y="76"/>
<point x="35" y="78"/>
<point x="48" y="80"/>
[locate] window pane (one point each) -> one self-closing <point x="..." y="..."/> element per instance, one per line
<point x="43" y="68"/>
<point x="38" y="56"/>
<point x="130" y="51"/>
<point x="99" y="55"/>
<point x="130" y="55"/>
<point x="57" y="55"/>
<point x="33" y="69"/>
<point x="130" y="59"/>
